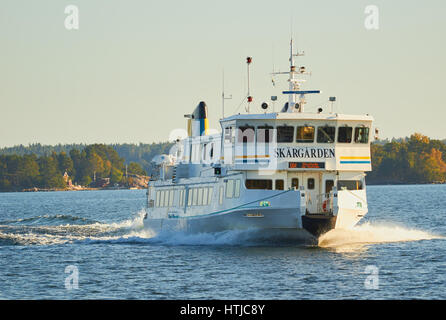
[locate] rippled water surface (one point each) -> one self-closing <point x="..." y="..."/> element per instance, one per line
<point x="100" y="233"/>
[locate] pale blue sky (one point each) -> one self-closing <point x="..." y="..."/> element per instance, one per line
<point x="135" y="67"/>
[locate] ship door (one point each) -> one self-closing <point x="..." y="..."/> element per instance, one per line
<point x="312" y="183"/>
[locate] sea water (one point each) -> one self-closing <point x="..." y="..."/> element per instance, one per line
<point x="92" y="245"/>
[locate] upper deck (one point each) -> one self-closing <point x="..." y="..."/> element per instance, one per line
<point x="297" y="141"/>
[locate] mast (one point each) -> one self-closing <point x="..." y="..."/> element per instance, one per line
<point x="295" y="84"/>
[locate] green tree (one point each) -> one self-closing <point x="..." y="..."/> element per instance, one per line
<point x="135" y="168"/>
<point x="116" y="175"/>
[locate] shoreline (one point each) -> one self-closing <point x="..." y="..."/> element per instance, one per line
<point x="139" y="188"/>
<point x="68" y="190"/>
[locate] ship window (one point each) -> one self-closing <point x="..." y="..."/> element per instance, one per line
<point x="230" y="188"/>
<point x="166" y="198"/>
<point x="279" y="184"/>
<point x="245" y="134"/>
<point x="265" y="134"/>
<point x="361" y="134"/>
<point x="205" y="196"/>
<point x="189" y="197"/>
<point x="194" y="196"/>
<point x="204" y="148"/>
<point x="163" y="194"/>
<point x="158" y="198"/>
<point x="222" y="190"/>
<point x="229" y="133"/>
<point x="329" y="185"/>
<point x="171" y="194"/>
<point x="295" y="183"/>
<point x="310" y="184"/>
<point x="211" y="190"/>
<point x="285" y="134"/>
<point x="345" y="134"/>
<point x="200" y="196"/>
<point x="349" y="185"/>
<point x="326" y="134"/>
<point x="305" y="134"/>
<point x="237" y="188"/>
<point x="180" y="198"/>
<point x="263" y="184"/>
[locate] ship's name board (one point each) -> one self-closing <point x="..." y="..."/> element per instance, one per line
<point x="305" y="152"/>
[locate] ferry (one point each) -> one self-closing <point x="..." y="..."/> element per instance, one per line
<point x="292" y="174"/>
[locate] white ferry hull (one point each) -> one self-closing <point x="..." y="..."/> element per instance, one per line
<point x="283" y="224"/>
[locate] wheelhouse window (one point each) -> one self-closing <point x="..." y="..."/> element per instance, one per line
<point x="305" y="134"/>
<point x="350" y="185"/>
<point x="345" y="134"/>
<point x="245" y="134"/>
<point x="229" y="134"/>
<point x="279" y="184"/>
<point x="264" y="136"/>
<point x="362" y="135"/>
<point x="264" y="184"/>
<point x="285" y="133"/>
<point x="326" y="134"/>
<point x="310" y="184"/>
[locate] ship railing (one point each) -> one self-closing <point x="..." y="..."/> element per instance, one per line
<point x="324" y="203"/>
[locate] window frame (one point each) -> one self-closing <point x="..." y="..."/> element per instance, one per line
<point x="284" y="127"/>
<point x="357" y="134"/>
<point x="351" y="134"/>
<point x="229" y="184"/>
<point x="308" y="183"/>
<point x="292" y="183"/>
<point x="324" y="127"/>
<point x="302" y="140"/>
<point x="269" y="184"/>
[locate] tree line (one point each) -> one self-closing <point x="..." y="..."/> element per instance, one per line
<point x="141" y="153"/>
<point x="416" y="159"/>
<point x="18" y="172"/>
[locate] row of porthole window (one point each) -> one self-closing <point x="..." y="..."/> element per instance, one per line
<point x="197" y="196"/>
<point x="304" y="134"/>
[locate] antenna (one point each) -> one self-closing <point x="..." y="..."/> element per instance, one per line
<point x="332" y="101"/>
<point x="295" y="82"/>
<point x="248" y="62"/>
<point x="223" y="97"/>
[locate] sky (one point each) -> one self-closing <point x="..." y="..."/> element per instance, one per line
<point x="133" y="68"/>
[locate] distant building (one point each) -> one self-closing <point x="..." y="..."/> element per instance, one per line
<point x="67" y="179"/>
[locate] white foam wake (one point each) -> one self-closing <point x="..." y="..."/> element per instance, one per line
<point x="372" y="233"/>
